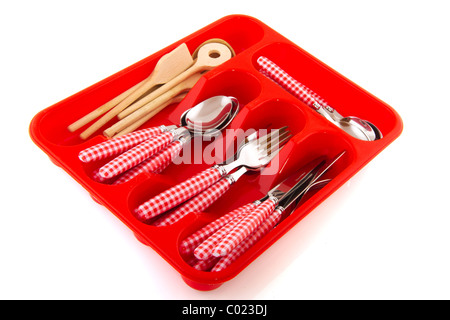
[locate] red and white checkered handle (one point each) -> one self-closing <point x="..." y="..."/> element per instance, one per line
<point x="205" y="265"/>
<point x="253" y="238"/>
<point x="177" y="194"/>
<point x="165" y="157"/>
<point x="135" y="155"/>
<point x="206" y="248"/>
<point x="98" y="178"/>
<point x="188" y="245"/>
<point x="155" y="164"/>
<point x="274" y="72"/>
<point x="118" y="145"/>
<point x="197" y="204"/>
<point x="244" y="228"/>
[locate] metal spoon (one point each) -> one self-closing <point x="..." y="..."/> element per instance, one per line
<point x="206" y="118"/>
<point x="354" y="126"/>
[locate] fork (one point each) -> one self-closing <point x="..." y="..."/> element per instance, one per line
<point x="207" y="197"/>
<point x="254" y="154"/>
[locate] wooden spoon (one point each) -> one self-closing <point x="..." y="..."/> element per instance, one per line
<point x="152" y="105"/>
<point x="168" y="67"/>
<point x="209" y="56"/>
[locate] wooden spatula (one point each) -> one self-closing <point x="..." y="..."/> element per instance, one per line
<point x="210" y="55"/>
<point x="167" y="68"/>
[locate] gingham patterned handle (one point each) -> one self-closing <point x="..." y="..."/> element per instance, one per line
<point x="135" y="155"/>
<point x="155" y="164"/>
<point x="206" y="248"/>
<point x="274" y="72"/>
<point x="174" y="196"/>
<point x="117" y="145"/>
<point x="197" y="204"/>
<point x="188" y="245"/>
<point x="263" y="229"/>
<point x="97" y="177"/>
<point x="245" y="227"/>
<point x="205" y="265"/>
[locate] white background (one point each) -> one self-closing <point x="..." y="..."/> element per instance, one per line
<point x="384" y="235"/>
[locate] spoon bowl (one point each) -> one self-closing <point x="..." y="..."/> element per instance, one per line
<point x="360" y="129"/>
<point x="354" y="126"/>
<point x="209" y="117"/>
<point x="206" y="118"/>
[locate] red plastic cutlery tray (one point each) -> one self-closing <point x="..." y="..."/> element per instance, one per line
<point x="264" y="104"/>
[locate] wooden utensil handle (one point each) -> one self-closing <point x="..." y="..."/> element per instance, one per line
<point x="159" y="91"/>
<point x="145" y="109"/>
<point x="102" y="109"/>
<point x="148" y="116"/>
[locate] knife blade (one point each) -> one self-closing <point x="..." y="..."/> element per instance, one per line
<point x="290" y="202"/>
<point x="296" y="180"/>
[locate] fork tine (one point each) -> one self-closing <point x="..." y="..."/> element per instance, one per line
<point x="274" y="151"/>
<point x="273" y="133"/>
<point x="270" y="153"/>
<point x="271" y="139"/>
<point x="271" y="143"/>
<point x="276" y="147"/>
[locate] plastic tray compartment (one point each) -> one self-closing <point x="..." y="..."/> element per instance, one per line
<point x="264" y="105"/>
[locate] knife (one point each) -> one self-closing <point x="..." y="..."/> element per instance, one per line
<point x="279" y="200"/>
<point x="204" y="241"/>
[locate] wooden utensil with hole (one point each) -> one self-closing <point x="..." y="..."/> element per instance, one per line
<point x="167" y="68"/>
<point x="218" y="40"/>
<point x="152" y="105"/>
<point x="210" y="55"/>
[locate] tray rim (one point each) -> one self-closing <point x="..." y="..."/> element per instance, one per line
<point x="194" y="277"/>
